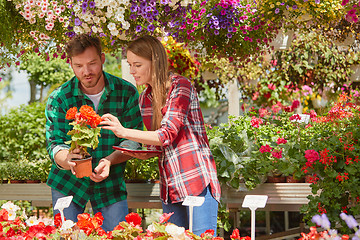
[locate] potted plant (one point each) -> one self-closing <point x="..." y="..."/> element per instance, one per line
<point x="84" y="135"/>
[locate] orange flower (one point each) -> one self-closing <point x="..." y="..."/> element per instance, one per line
<point x="70" y="114"/>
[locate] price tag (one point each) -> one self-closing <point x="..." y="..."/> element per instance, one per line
<point x="254" y="201"/>
<point x="193" y="201"/>
<point x="62" y="203"/>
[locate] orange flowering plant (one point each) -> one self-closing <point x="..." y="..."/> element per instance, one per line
<point x="85" y="130"/>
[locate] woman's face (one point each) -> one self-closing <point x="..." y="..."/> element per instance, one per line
<point x="140" y="68"/>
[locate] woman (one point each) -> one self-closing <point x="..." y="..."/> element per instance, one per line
<point x="171" y="112"/>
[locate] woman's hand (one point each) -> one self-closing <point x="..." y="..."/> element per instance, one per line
<point x="113" y="124"/>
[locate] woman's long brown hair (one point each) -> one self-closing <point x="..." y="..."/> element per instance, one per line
<point x="151" y="48"/>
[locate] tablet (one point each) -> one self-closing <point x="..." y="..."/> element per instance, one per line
<point x="136" y="150"/>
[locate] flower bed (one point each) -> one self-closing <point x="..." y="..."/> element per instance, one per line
<point x="14" y="224"/>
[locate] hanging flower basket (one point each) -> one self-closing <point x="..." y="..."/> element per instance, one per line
<point x="355" y="76"/>
<point x="282" y="40"/>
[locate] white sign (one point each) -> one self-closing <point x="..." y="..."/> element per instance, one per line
<point x="62" y="203"/>
<point x="254" y="201"/>
<point x="193" y="201"/>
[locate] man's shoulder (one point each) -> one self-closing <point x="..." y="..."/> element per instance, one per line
<point x="63" y="90"/>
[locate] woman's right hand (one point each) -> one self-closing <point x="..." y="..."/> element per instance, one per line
<point x="113" y="124"/>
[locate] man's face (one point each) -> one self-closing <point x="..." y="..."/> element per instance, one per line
<point x="87" y="67"/>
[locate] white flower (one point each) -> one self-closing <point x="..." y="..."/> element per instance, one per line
<point x="67" y="225"/>
<point x="77" y="8"/>
<point x="32" y="221"/>
<point x="114" y="32"/>
<point x="151" y="228"/>
<point x="78" y="30"/>
<point x="111" y="26"/>
<point x="94" y="29"/>
<point x="96" y="19"/>
<point x="11" y="215"/>
<point x="86" y="18"/>
<point x="9" y="206"/>
<point x="125" y="25"/>
<point x="178" y="233"/>
<point x="85" y="27"/>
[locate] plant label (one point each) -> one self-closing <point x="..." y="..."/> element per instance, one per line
<point x="254" y="201"/>
<point x="62" y="203"/>
<point x="194" y="201"/>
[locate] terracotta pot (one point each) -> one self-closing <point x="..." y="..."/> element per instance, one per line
<point x="291" y="179"/>
<point x="271" y="179"/>
<point x="83" y="167"/>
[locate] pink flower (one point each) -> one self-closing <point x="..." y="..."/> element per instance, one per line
<point x="255" y="122"/>
<point x="281" y="141"/>
<point x="265" y="148"/>
<point x="311" y="156"/>
<point x="271" y="86"/>
<point x="277" y="154"/>
<point x="165" y="217"/>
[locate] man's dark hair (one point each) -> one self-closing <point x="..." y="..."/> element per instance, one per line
<point x="80" y="43"/>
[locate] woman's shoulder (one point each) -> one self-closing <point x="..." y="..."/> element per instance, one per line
<point x="181" y="81"/>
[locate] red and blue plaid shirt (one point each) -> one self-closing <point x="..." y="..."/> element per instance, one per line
<point x="187" y="166"/>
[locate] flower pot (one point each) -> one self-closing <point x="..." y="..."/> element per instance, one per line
<point x="33" y="181"/>
<point x="291" y="179"/>
<point x="83" y="167"/>
<point x="272" y="179"/>
<point x="282" y="40"/>
<point x="17" y="181"/>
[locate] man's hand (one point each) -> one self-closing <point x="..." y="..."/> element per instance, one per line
<point x="102" y="171"/>
<point x="63" y="159"/>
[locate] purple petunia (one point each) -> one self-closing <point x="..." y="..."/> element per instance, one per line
<point x="92" y="4"/>
<point x="138" y="28"/>
<point x="277" y="10"/>
<point x="151" y="28"/>
<point x="77" y="22"/>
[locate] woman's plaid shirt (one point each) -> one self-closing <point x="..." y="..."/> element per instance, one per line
<point x="187" y="166"/>
<point x="120" y="98"/>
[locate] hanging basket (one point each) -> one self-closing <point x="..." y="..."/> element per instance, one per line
<point x="282" y="40"/>
<point x="355" y="76"/>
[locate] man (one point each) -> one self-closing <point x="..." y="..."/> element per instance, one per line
<point x="105" y="188"/>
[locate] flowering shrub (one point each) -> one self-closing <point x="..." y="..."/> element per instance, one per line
<point x="83" y="136"/>
<point x="325" y="149"/>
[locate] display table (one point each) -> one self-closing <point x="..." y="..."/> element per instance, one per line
<point x="281" y="196"/>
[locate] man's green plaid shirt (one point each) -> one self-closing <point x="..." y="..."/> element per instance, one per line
<point x="120" y="98"/>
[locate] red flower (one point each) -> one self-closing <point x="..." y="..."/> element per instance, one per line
<point x="133" y="218"/>
<point x="70" y="114"/>
<point x="265" y="148"/>
<point x="255" y="122"/>
<point x="277" y="154"/>
<point x="281" y="141"/>
<point x="57" y="220"/>
<point x="235" y="234"/>
<point x="4" y="215"/>
<point x="209" y="232"/>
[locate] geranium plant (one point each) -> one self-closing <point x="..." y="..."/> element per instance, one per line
<point x="85" y="130"/>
